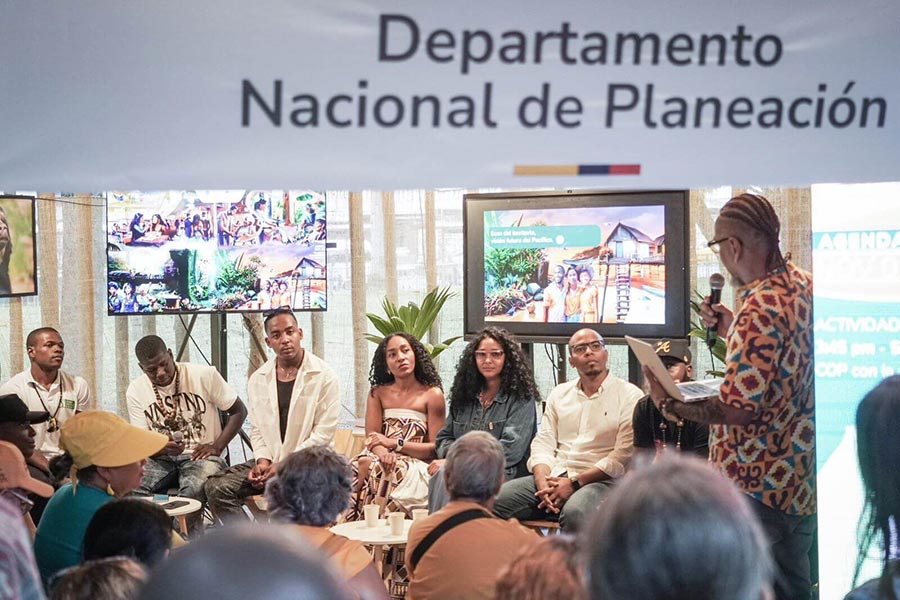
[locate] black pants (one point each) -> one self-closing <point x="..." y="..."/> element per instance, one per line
<point x="39" y="501"/>
<point x="791" y="537"/>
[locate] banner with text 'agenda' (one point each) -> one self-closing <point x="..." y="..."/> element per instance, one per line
<point x="104" y="94"/>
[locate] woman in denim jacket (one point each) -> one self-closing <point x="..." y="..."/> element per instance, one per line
<point x="493" y="391"/>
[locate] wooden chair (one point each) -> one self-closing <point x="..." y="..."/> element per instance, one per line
<point x="543" y="528"/>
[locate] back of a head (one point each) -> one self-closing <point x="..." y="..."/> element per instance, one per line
<point x="105" y="579"/>
<point x="134" y="528"/>
<point x="549" y="569"/>
<point x="248" y="561"/>
<point x="677" y="530"/>
<point x="312" y="487"/>
<point x="878" y="450"/>
<point x="474" y="467"/>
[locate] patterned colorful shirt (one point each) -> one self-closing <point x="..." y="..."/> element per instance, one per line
<point x="769" y="371"/>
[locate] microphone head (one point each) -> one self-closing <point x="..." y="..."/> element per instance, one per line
<point x="177" y="436"/>
<point x="716" y="281"/>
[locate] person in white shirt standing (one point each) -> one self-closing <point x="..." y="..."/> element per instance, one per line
<point x="294" y="403"/>
<point x="584" y="443"/>
<point x="44" y="386"/>
<point x="182" y="401"/>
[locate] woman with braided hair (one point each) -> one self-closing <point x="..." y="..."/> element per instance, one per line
<point x="404" y="413"/>
<point x="493" y="391"/>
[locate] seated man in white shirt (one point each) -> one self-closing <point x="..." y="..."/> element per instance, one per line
<point x="182" y="400"/>
<point x="44" y="386"/>
<point x="294" y="403"/>
<point x="584" y="443"/>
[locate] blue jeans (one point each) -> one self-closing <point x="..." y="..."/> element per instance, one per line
<point x="517" y="501"/>
<point x="164" y="472"/>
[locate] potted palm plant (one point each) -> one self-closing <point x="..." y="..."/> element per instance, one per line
<point x="413" y="319"/>
<point x="698" y="330"/>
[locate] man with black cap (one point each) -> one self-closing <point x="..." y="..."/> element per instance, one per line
<point x="651" y="430"/>
<point x="16" y="428"/>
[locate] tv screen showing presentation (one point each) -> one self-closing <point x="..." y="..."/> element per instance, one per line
<point x="18" y="252"/>
<point x="546" y="264"/>
<point x="215" y="251"/>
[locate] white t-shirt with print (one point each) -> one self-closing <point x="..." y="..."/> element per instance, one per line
<point x="192" y="410"/>
<point x="67" y="395"/>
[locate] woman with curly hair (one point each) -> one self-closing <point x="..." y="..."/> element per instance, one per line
<point x="493" y="391"/>
<point x="404" y="413"/>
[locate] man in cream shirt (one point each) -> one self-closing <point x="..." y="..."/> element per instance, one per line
<point x="294" y="403"/>
<point x="584" y="443"/>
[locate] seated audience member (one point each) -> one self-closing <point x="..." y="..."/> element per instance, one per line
<point x="878" y="449"/>
<point x="459" y="551"/>
<point x="547" y="570"/>
<point x="182" y="401"/>
<point x="16" y="427"/>
<point x="106" y="456"/>
<point x="404" y="413"/>
<point x="19" y="577"/>
<point x="293" y="402"/>
<point x="117" y="578"/>
<point x="584" y="444"/>
<point x="651" y="430"/>
<point x="133" y="528"/>
<point x="493" y="391"/>
<point x="45" y="386"/>
<point x="311" y="488"/>
<point x="677" y="530"/>
<point x="246" y="561"/>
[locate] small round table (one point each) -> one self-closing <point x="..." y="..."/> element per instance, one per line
<point x="180" y="513"/>
<point x="391" y="564"/>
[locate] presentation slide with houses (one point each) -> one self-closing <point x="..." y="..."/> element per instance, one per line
<point x="575" y="265"/>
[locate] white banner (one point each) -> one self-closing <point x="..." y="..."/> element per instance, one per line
<point x="105" y="94"/>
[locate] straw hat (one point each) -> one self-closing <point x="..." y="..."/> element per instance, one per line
<point x="102" y="439"/>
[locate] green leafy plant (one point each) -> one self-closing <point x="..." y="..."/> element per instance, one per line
<point x="412" y="319"/>
<point x="506" y="266"/>
<point x="698" y="330"/>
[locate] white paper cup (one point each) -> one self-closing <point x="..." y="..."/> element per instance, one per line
<point x="419" y="513"/>
<point x="371" y="514"/>
<point x="395" y="520"/>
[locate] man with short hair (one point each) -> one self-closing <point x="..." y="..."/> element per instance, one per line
<point x="459" y="551"/>
<point x="584" y="443"/>
<point x="294" y="402"/>
<point x="182" y="401"/>
<point x="44" y="386"/>
<point x="763" y="435"/>
<point x="554" y="302"/>
<point x="654" y="432"/>
<point x="17" y="428"/>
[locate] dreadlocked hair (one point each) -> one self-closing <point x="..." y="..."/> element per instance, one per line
<point x="755" y="212"/>
<point x="424" y="370"/>
<point x="516" y="379"/>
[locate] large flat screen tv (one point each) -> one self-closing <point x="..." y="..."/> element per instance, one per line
<point x="545" y="264"/>
<point x="18" y="250"/>
<point x="215" y="251"/>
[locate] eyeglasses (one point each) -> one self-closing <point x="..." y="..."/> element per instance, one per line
<point x="481" y="355"/>
<point x="580" y="349"/>
<point x="715" y="245"/>
<point x="25" y="503"/>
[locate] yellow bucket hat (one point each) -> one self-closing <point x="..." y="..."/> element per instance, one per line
<point x="102" y="439"/>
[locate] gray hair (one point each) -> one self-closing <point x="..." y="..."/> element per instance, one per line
<point x="246" y="561"/>
<point x="311" y="487"/>
<point x="694" y="525"/>
<point x="474" y="467"/>
<point x="116" y="578"/>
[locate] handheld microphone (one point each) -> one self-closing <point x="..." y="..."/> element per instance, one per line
<point x="716" y="283"/>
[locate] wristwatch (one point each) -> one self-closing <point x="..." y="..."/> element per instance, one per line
<point x="576" y="485"/>
<point x="400" y="442"/>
